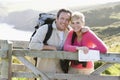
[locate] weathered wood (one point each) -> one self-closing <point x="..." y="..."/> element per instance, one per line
<point x="18" y="68"/>
<point x="68" y="76"/>
<point x="9" y="60"/>
<point x="33" y="68"/>
<point x="20" y="51"/>
<point x="3" y="53"/>
<point x="110" y="57"/>
<point x="4" y="61"/>
<point x="45" y="54"/>
<point x="24" y="74"/>
<point x="20" y="44"/>
<point x="115" y="58"/>
<point x="101" y="68"/>
<point x="3" y="79"/>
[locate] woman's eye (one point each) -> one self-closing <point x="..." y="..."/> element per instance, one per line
<point x="77" y="22"/>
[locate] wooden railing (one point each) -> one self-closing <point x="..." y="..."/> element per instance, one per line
<point x="28" y="70"/>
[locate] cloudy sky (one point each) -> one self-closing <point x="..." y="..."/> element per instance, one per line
<point x="47" y="5"/>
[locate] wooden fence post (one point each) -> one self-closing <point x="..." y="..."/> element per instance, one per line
<point x="6" y="60"/>
<point x="10" y="60"/>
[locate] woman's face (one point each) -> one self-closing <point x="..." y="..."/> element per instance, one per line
<point x="76" y="24"/>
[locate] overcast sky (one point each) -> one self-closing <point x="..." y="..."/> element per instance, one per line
<point x="47" y="5"/>
<point x="8" y="32"/>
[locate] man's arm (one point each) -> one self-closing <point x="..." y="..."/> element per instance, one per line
<point x="38" y="38"/>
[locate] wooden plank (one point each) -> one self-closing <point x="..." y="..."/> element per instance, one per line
<point x="3" y="79"/>
<point x="110" y="57"/>
<point x="4" y="44"/>
<point x="101" y="68"/>
<point x="9" y="60"/>
<point x="20" y="44"/>
<point x="33" y="68"/>
<point x="21" y="67"/>
<point x="3" y="53"/>
<point x="23" y="51"/>
<point x="113" y="58"/>
<point x="24" y="74"/>
<point x="68" y="76"/>
<point x="45" y="54"/>
<point x="18" y="67"/>
<point x="4" y="61"/>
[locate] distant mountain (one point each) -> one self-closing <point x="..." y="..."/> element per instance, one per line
<point x="98" y="15"/>
<point x="23" y="20"/>
<point x="103" y="19"/>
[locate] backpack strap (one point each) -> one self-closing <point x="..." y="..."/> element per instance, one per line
<point x="76" y="62"/>
<point x="48" y="34"/>
<point x="73" y="37"/>
<point x="36" y="27"/>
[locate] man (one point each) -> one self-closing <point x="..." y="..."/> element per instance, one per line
<point x="55" y="42"/>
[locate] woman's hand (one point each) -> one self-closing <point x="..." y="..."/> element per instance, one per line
<point x="84" y="48"/>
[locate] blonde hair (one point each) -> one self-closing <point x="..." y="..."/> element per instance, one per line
<point x="78" y="15"/>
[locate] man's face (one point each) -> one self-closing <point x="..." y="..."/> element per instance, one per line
<point x="62" y="21"/>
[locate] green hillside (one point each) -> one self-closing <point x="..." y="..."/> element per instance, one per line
<point x="104" y="20"/>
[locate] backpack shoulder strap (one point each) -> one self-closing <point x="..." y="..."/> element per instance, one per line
<point x="73" y="37"/>
<point x="48" y="34"/>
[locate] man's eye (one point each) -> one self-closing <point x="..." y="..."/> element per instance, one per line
<point x="72" y="22"/>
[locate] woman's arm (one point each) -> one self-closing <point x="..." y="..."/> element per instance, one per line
<point x="91" y="40"/>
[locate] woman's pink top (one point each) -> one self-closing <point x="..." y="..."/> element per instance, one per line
<point x="90" y="40"/>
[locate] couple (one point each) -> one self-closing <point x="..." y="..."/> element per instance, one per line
<point x="61" y="38"/>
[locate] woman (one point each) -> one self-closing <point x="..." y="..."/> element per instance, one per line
<point x="82" y="41"/>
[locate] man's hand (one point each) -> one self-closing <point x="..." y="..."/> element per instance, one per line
<point x="49" y="47"/>
<point x="85" y="29"/>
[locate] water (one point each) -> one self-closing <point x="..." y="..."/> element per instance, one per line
<point x="7" y="32"/>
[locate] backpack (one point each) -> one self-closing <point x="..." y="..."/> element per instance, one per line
<point x="44" y="18"/>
